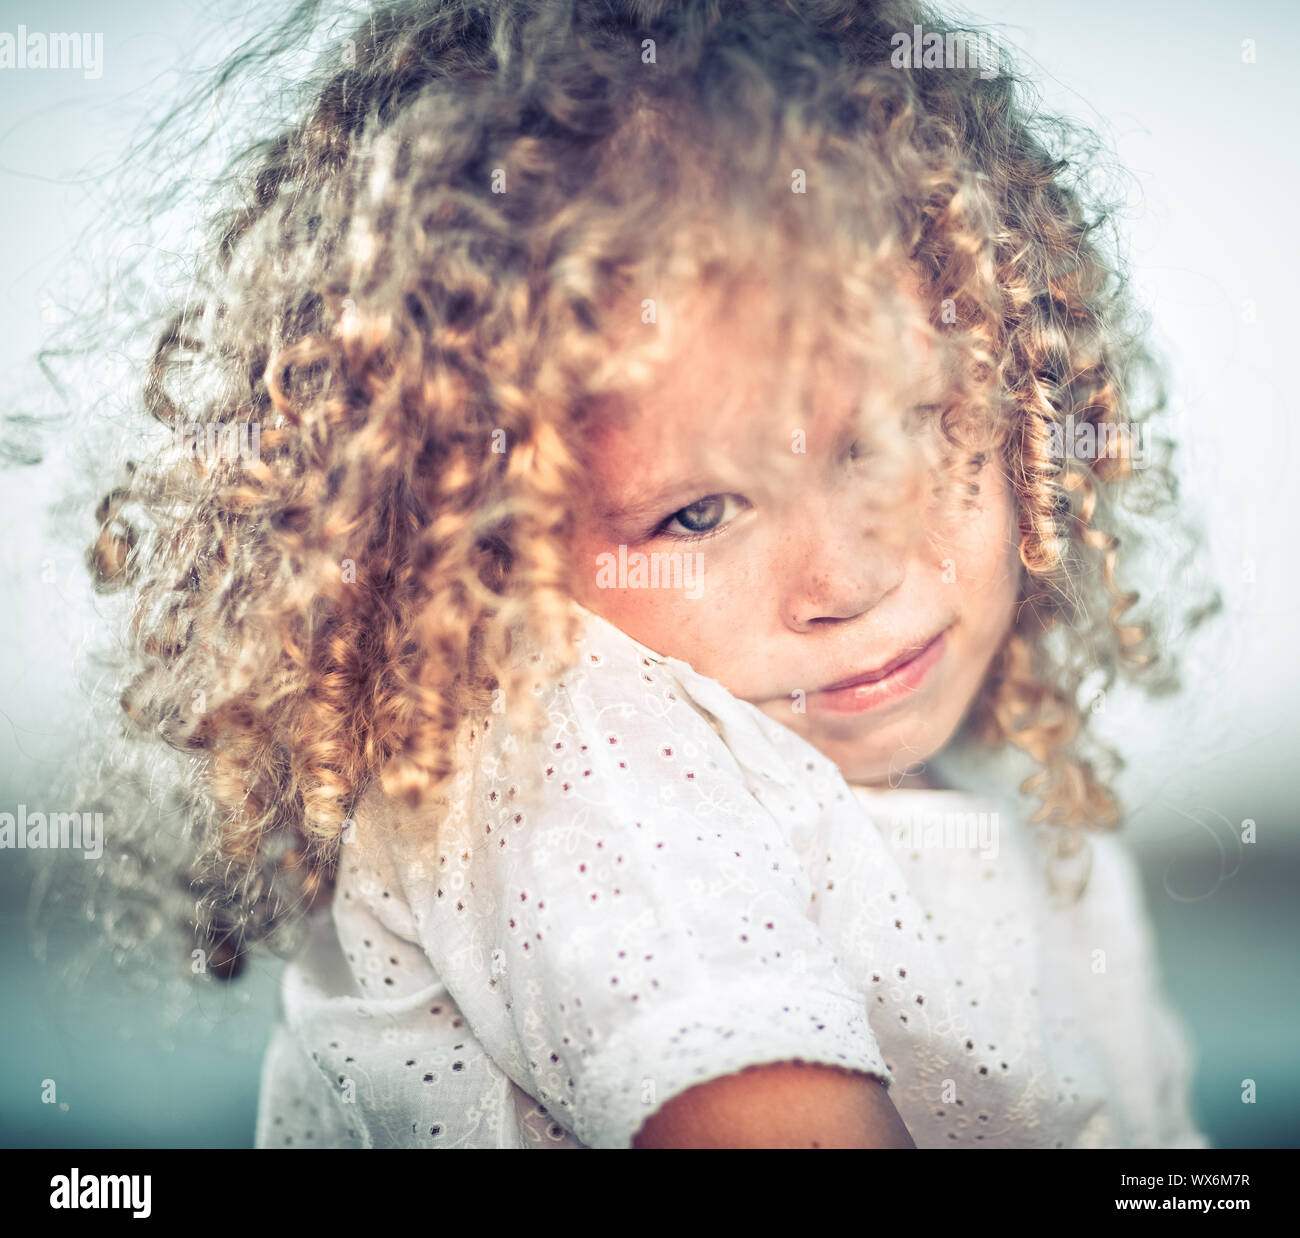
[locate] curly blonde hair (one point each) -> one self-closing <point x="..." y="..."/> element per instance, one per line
<point x="423" y="268"/>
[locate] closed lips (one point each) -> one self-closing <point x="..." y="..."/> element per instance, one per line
<point x="888" y="668"/>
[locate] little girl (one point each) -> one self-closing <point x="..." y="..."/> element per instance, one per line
<point x="659" y="517"/>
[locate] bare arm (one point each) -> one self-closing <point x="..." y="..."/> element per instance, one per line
<point x="779" y="1105"/>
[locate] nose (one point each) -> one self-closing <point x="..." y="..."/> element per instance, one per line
<point x="838" y="568"/>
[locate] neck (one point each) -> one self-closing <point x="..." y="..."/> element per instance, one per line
<point x="922" y="780"/>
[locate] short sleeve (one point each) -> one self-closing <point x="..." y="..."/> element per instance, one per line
<point x="617" y="915"/>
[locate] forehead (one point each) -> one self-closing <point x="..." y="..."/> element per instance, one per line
<point x="750" y="382"/>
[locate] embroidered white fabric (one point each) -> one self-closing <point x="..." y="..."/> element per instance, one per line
<point x="668" y="887"/>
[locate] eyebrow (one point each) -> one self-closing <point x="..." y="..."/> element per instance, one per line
<point x="641" y="508"/>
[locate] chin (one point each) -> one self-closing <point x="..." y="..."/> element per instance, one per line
<point x="880" y="771"/>
<point x="883" y="757"/>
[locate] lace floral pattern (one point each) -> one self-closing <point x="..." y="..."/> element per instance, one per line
<point x="669" y="886"/>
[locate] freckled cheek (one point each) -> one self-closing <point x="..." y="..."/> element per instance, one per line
<point x="665" y="613"/>
<point x="988" y="569"/>
<point x="713" y="631"/>
<point x="991" y="605"/>
<point x="668" y="620"/>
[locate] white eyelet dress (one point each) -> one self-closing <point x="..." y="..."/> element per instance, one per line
<point x="666" y="887"/>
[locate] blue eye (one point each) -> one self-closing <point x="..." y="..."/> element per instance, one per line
<point x="701" y="518"/>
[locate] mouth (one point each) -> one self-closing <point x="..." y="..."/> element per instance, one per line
<point x="902" y="676"/>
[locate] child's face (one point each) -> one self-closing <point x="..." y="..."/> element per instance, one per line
<point x="806" y="582"/>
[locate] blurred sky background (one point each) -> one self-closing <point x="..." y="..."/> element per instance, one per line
<point x="1209" y="145"/>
